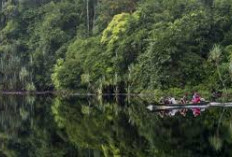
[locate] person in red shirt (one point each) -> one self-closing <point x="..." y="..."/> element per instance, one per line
<point x="196" y="98"/>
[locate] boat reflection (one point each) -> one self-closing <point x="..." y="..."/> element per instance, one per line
<point x="184" y="109"/>
<point x="183" y="112"/>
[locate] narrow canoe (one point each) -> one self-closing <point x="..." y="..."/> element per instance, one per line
<point x="188" y="106"/>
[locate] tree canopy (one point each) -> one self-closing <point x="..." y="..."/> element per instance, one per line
<point x="114" y="45"/>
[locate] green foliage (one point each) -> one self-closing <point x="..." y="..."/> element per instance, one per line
<point x="106" y="9"/>
<point x="69" y="79"/>
<point x="30" y="87"/>
<point x="115" y="29"/>
<point x="108" y="46"/>
<point x="215" y="54"/>
<point x="216" y="142"/>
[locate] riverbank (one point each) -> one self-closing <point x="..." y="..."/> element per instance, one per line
<point x="148" y="95"/>
<point x="27" y="92"/>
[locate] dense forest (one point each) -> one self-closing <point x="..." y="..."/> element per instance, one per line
<point x="115" y="45"/>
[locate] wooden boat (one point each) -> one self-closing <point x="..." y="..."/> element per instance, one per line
<point x="201" y="105"/>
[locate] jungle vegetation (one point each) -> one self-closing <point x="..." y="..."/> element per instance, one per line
<point x="115" y="45"/>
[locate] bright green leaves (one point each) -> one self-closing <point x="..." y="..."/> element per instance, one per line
<point x="55" y="75"/>
<point x="119" y="43"/>
<point x="108" y="8"/>
<point x="116" y="28"/>
<point x="215" y="54"/>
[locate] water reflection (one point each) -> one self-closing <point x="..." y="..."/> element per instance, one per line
<point x="130" y="129"/>
<point x="181" y="111"/>
<point x="91" y="127"/>
<point x="27" y="128"/>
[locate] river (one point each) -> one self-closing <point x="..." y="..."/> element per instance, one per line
<point x="87" y="126"/>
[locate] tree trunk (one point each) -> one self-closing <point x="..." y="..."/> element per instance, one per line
<point x="87" y="12"/>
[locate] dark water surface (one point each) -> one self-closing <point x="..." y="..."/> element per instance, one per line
<point x="46" y="126"/>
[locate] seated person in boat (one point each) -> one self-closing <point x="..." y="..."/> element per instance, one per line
<point x="184" y="100"/>
<point x="196" y="98"/>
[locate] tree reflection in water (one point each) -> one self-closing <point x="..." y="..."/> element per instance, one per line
<point x="88" y="127"/>
<point x="129" y="129"/>
<point x="28" y="130"/>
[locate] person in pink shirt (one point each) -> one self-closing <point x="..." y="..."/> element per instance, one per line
<point x="196" y="98"/>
